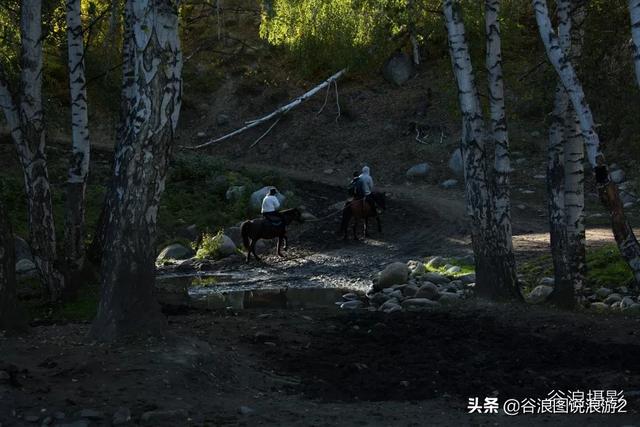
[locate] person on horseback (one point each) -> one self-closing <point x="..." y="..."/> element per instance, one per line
<point x="270" y="206"/>
<point x="354" y="185"/>
<point x="366" y="184"/>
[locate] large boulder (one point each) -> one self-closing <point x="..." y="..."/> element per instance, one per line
<point x="25" y="266"/>
<point x="257" y="196"/>
<point x="456" y="163"/>
<point x="398" y="69"/>
<point x="617" y="176"/>
<point x="419" y="171"/>
<point x="235" y="192"/>
<point x="23" y="250"/>
<point x="539" y="294"/>
<point x="227" y="246"/>
<point x="428" y="290"/>
<point x="396" y="273"/>
<point x="436" y="278"/>
<point x="175" y="251"/>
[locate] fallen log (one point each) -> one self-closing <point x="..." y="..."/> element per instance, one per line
<point x="276" y="114"/>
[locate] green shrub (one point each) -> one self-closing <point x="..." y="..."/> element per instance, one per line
<point x="606" y="267"/>
<point x="210" y="246"/>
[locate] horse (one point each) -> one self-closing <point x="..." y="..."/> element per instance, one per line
<point x="359" y="209"/>
<point x="261" y="228"/>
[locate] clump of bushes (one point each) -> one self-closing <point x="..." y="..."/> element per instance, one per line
<point x="210" y="246"/>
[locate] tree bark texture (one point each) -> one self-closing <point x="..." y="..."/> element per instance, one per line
<point x="25" y="119"/>
<point x="11" y="317"/>
<point x="495" y="264"/>
<point x="151" y="100"/>
<point x="79" y="163"/>
<point x="607" y="189"/>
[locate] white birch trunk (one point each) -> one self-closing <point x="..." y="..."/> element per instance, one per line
<point x="495" y="266"/>
<point x="25" y="118"/>
<point x="79" y="165"/>
<point x="608" y="191"/>
<point x="634" y="14"/>
<point x="151" y="103"/>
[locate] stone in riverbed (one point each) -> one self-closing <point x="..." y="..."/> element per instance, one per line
<point x="436" y="278"/>
<point x="599" y="307"/>
<point x="613" y="298"/>
<point x="418" y="303"/>
<point x="449" y="298"/>
<point x="603" y="292"/>
<point x="539" y="294"/>
<point x="436" y="262"/>
<point x="396" y="273"/>
<point x="175" y="251"/>
<point x="121" y="416"/>
<point x="467" y="278"/>
<point x="352" y="305"/>
<point x="631" y="309"/>
<point x="428" y="290"/>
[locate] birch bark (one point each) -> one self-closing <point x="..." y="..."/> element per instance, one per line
<point x="151" y="101"/>
<point x="80" y="151"/>
<point x="608" y="191"/>
<point x="495" y="266"/>
<point x="25" y="118"/>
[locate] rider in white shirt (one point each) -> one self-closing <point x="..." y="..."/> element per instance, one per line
<point x="270" y="206"/>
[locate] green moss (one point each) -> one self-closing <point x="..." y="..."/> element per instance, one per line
<point x="464" y="268"/>
<point x="210" y="246"/>
<point x="606" y="267"/>
<point x="533" y="269"/>
<point x="205" y="282"/>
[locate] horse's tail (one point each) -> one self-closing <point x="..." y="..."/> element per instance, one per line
<point x="244" y="231"/>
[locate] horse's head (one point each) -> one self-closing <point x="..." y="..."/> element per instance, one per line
<point x="292" y="215"/>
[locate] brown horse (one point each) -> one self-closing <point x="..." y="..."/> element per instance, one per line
<point x="359" y="209"/>
<point x="261" y="228"/>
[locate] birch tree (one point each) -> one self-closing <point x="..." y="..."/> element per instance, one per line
<point x="151" y="106"/>
<point x="24" y="116"/>
<point x="10" y="316"/>
<point x="491" y="236"/>
<point x="607" y="189"/>
<point x="79" y="165"/>
<point x="565" y="172"/>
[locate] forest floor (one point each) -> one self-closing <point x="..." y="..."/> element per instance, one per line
<point x="320" y="366"/>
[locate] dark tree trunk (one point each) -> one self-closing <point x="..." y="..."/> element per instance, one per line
<point x="151" y="102"/>
<point x="11" y="317"/>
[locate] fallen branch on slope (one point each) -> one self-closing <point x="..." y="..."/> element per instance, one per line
<point x="276" y="114"/>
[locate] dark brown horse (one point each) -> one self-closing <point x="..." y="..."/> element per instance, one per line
<point x="359" y="209"/>
<point x="261" y="228"/>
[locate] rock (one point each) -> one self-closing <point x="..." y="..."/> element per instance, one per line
<point x="121" y="416"/>
<point x="616" y="306"/>
<point x="416" y="268"/>
<point x="612" y="298"/>
<point x="47" y="421"/>
<point x="396" y="273"/>
<point x="234" y="234"/>
<point x="419" y="171"/>
<point x="436" y="278"/>
<point x="626" y="302"/>
<point x="392" y="308"/>
<point x="410" y="291"/>
<point x="397" y="294"/>
<point x="547" y="281"/>
<point x="467" y="278"/>
<point x="352" y="305"/>
<point x="328" y="171"/>
<point x="256" y="198"/>
<point x="227" y="246"/>
<point x="350" y="296"/>
<point x="455" y="163"/>
<point x="627" y="197"/>
<point x="428" y="290"/>
<point x="418" y="303"/>
<point x="632" y="309"/>
<point x="628" y="205"/>
<point x="222" y="119"/>
<point x="535" y="134"/>
<point x="539" y="294"/>
<point x="91" y="414"/>
<point x="22" y="248"/>
<point x="201" y="134"/>
<point x="599" y="306"/>
<point x="25" y="266"/>
<point x="389" y="303"/>
<point x="617" y="176"/>
<point x="235" y="192"/>
<point x="178" y="416"/>
<point x="398" y="69"/>
<point x="378" y="298"/>
<point x="308" y="216"/>
<point x="603" y="292"/>
<point x="453" y="270"/>
<point x="450" y="183"/>
<point x="436" y="262"/>
<point x="245" y="410"/>
<point x="175" y="251"/>
<point x="59" y="415"/>
<point x="447" y="298"/>
<point x="79" y="423"/>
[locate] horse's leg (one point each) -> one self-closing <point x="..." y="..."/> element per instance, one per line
<point x="366" y="226"/>
<point x="249" y="251"/>
<point x="280" y="246"/>
<point x="344" y="226"/>
<point x="253" y="249"/>
<point x="379" y="226"/>
<point x="355" y="226"/>
<point x="286" y="242"/>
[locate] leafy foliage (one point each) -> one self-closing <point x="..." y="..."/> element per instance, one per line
<point x="210" y="246"/>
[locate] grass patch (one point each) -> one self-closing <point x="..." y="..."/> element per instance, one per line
<point x="205" y="282"/>
<point x="606" y="267"/>
<point x="465" y="268"/>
